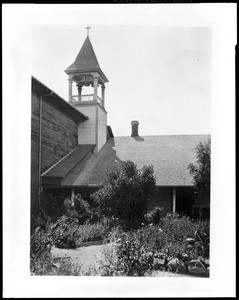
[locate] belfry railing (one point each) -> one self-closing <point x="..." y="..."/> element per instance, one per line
<point x="84" y="98"/>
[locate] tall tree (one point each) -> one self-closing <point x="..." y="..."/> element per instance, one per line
<point x="200" y="171"/>
<point x="125" y="193"/>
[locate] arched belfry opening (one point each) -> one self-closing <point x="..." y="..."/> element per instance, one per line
<point x="86" y="92"/>
<point x="90" y="86"/>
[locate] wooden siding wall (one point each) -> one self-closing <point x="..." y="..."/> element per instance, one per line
<point x="102" y="128"/>
<point x="59" y="137"/>
<point x="94" y="130"/>
<point x="87" y="129"/>
<point x="34" y="155"/>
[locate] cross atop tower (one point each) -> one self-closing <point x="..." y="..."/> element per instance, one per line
<point x="85" y="72"/>
<point x="88" y="28"/>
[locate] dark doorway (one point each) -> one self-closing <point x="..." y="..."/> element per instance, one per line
<point x="184" y="201"/>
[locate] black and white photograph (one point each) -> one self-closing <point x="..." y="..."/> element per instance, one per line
<point x="119" y="150"/>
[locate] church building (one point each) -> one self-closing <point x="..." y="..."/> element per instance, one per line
<point x="73" y="147"/>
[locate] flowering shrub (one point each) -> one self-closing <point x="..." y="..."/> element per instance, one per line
<point x="109" y="265"/>
<point x="149" y="248"/>
<point x="136" y="251"/>
<point x="177" y="230"/>
<point x="178" y="227"/>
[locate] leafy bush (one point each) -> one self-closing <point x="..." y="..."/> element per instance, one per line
<point x="53" y="206"/>
<point x="114" y="234"/>
<point x="40" y="257"/>
<point x="135" y="252"/>
<point x="109" y="265"/>
<point x="149" y="248"/>
<point x="125" y="193"/>
<point x="82" y="208"/>
<point x="96" y="215"/>
<point x="41" y="260"/>
<point x="55" y="266"/>
<point x="94" y="232"/>
<point x="65" y="267"/>
<point x="202" y="237"/>
<point x="154" y="216"/>
<point x="56" y="206"/>
<point x="177" y="229"/>
<point x="64" y="232"/>
<point x="133" y="260"/>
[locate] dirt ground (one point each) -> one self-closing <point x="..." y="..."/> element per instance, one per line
<point x="89" y="257"/>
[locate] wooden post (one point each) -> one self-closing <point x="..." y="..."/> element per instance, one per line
<point x="72" y="197"/>
<point x="174" y="200"/>
<point x="103" y="95"/>
<point x="70" y="91"/>
<point x="79" y="87"/>
<point x="95" y="88"/>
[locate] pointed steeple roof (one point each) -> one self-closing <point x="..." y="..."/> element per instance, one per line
<point x="86" y="60"/>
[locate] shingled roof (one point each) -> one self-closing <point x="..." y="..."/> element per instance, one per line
<point x="86" y="60"/>
<point x="54" y="175"/>
<point x="62" y="168"/>
<point x="169" y="155"/>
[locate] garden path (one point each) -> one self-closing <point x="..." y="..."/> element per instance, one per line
<point x="89" y="257"/>
<point x="86" y="256"/>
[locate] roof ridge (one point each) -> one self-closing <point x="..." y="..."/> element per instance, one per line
<point x="161" y="135"/>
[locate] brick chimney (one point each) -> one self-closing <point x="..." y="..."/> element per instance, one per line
<point x="134" y="131"/>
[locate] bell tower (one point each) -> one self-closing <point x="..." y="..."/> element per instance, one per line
<point x="85" y="73"/>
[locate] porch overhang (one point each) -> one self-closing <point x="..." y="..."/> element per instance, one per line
<point x="53" y="176"/>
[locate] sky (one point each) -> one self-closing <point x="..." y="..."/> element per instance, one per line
<point x="158" y="75"/>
